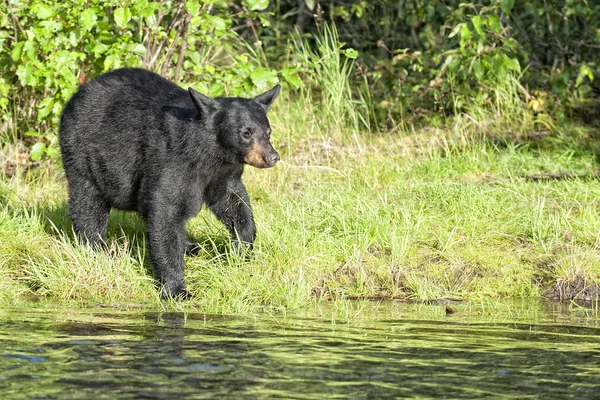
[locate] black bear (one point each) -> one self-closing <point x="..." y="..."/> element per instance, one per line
<point x="132" y="140"/>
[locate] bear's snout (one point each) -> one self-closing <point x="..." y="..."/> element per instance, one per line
<point x="261" y="155"/>
<point x="272" y="158"/>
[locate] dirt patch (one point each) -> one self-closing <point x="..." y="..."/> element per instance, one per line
<point x="578" y="289"/>
<point x="377" y="283"/>
<point x="15" y="158"/>
<point x="544" y="272"/>
<point x="560" y="175"/>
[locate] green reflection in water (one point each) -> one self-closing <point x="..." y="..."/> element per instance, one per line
<point x="540" y="351"/>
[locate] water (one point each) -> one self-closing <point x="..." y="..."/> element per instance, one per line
<point x="396" y="350"/>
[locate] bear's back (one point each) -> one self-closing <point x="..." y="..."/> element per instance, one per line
<point x="113" y="128"/>
<point x="132" y="83"/>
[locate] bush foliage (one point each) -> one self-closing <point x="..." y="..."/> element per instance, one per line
<point x="414" y="57"/>
<point x="48" y="48"/>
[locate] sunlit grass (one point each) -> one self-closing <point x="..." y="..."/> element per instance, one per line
<point x="372" y="216"/>
<point x="447" y="211"/>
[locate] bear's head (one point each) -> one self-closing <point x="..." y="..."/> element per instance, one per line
<point x="241" y="126"/>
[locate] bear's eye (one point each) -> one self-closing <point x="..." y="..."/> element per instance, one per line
<point x="247" y="133"/>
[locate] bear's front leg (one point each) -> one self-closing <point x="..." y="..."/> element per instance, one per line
<point x="231" y="205"/>
<point x="167" y="242"/>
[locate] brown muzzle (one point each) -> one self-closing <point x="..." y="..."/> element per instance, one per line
<point x="261" y="155"/>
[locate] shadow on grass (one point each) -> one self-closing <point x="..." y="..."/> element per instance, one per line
<point x="586" y="113"/>
<point x="561" y="176"/>
<point x="126" y="230"/>
<point x="578" y="135"/>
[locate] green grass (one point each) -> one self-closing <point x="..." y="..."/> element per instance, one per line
<point x="422" y="216"/>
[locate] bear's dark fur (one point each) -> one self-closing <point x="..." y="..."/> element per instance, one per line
<point x="132" y="140"/>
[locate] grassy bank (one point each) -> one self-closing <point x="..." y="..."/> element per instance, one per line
<point x="424" y="214"/>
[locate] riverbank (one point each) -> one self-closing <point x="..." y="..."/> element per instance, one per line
<point x="421" y="215"/>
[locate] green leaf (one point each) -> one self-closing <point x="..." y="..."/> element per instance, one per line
<point x="4" y="87"/>
<point x="194" y="56"/>
<point x="26" y="74"/>
<point x="122" y="16"/>
<point x="454" y="65"/>
<point x="52" y="151"/>
<point x="351" y="53"/>
<point x="45" y="107"/>
<point x="110" y="60"/>
<point x="17" y="51"/>
<point x="584" y="72"/>
<point x="291" y="77"/>
<point x="465" y="36"/>
<point x="99" y="49"/>
<point x="137" y="48"/>
<point x="53" y="139"/>
<point x="512" y="64"/>
<point x="33" y="134"/>
<point x="507" y="5"/>
<point x="146" y="9"/>
<point x="447" y="62"/>
<point x="499" y="66"/>
<point x="502" y="72"/>
<point x="146" y="12"/>
<point x="294" y="80"/>
<point x="42" y="11"/>
<point x="192" y="6"/>
<point x="31" y="48"/>
<point x="58" y="106"/>
<point x="263" y="76"/>
<point x="264" y="21"/>
<point x="455" y="31"/>
<point x="478" y="69"/>
<point x="493" y="22"/>
<point x="50" y="26"/>
<point x="88" y="19"/>
<point x="217" y="22"/>
<point x="257" y="5"/>
<point x="217" y="89"/>
<point x="37" y="151"/>
<point x="477" y="25"/>
<point x="310" y="4"/>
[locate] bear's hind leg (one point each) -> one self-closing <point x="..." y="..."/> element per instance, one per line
<point x="88" y="211"/>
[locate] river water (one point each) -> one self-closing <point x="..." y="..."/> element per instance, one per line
<point x="393" y="350"/>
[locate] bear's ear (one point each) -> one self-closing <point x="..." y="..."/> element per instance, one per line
<point x="203" y="103"/>
<point x="267" y="98"/>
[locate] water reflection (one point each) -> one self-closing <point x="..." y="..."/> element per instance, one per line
<point x="174" y="355"/>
